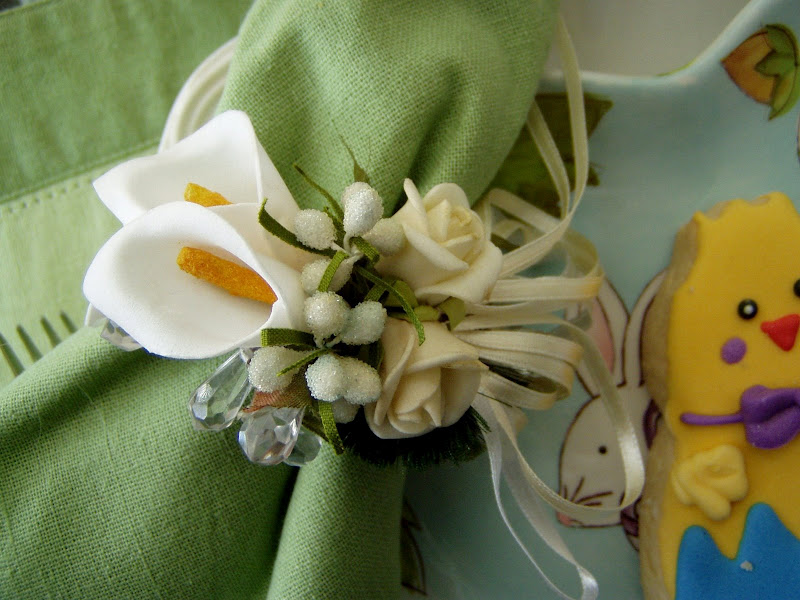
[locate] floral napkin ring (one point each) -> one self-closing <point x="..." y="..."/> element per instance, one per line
<point x="409" y="339"/>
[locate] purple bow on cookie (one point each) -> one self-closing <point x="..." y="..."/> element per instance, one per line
<point x="771" y="417"/>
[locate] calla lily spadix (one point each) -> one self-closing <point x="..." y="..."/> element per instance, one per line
<point x="134" y="279"/>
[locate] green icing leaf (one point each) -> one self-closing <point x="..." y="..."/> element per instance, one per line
<point x="523" y="173"/>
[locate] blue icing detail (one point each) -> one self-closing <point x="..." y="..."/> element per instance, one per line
<point x="771" y="549"/>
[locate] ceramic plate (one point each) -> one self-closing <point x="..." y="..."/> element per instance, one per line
<point x="723" y="127"/>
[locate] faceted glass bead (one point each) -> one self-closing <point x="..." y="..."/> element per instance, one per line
<point x="215" y="404"/>
<point x="268" y="436"/>
<point x="119" y="337"/>
<point x="305" y="450"/>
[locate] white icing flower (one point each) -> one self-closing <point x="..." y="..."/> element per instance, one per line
<point x="134" y="279"/>
<point x="447" y="250"/>
<point x="425" y="386"/>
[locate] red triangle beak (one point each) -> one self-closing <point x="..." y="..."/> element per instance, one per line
<point x="783" y="331"/>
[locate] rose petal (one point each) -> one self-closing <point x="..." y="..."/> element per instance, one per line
<point x="421" y="262"/>
<point x="439" y="221"/>
<point x="440" y="348"/>
<point x="399" y="340"/>
<point x="413" y="212"/>
<point x="459" y="387"/>
<point x="224" y="155"/>
<point x="135" y="281"/>
<point x="472" y="285"/>
<point x="446" y="191"/>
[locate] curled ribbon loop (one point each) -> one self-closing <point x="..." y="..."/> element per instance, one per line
<point x="547" y="351"/>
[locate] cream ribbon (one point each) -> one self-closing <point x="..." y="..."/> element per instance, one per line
<point x="547" y="348"/>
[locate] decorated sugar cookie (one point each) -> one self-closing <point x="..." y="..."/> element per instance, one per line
<point x="719" y="517"/>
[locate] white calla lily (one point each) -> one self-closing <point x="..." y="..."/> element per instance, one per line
<point x="135" y="281"/>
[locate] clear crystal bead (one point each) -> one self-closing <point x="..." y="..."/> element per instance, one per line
<point x="305" y="450"/>
<point x="268" y="436"/>
<point x="119" y="337"/>
<point x="215" y="404"/>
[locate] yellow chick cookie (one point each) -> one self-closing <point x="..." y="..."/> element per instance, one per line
<point x="719" y="517"/>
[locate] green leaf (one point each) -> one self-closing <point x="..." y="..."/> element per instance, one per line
<point x="269" y="223"/>
<point x="427" y="313"/>
<point x="325" y="410"/>
<point x="785" y="94"/>
<point x="455" y="309"/>
<point x="310" y="357"/>
<point x="279" y="336"/>
<point x="405" y="291"/>
<point x="366" y="249"/>
<point x="359" y="174"/>
<point x="330" y="271"/>
<point x="404" y="304"/>
<point x="459" y="442"/>
<point x="775" y="64"/>
<point x="781" y="39"/>
<point x="336" y="209"/>
<point x="523" y="173"/>
<point x="372" y="354"/>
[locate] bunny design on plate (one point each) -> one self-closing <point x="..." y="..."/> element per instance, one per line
<point x="590" y="466"/>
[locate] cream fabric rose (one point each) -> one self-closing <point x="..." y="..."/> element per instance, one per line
<point x="447" y="250"/>
<point x="425" y="386"/>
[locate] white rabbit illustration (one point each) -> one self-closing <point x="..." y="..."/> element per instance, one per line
<point x="590" y="466"/>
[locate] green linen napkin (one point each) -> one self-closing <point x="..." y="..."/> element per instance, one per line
<point x="105" y="489"/>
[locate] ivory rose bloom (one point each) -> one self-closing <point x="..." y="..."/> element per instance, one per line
<point x="424" y="386"/>
<point x="134" y="279"/>
<point x="447" y="250"/>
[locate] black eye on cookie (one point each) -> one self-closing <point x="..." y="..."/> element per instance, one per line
<point x="796" y="288"/>
<point x="748" y="308"/>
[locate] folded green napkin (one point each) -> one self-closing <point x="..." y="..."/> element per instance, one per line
<point x="105" y="489"/>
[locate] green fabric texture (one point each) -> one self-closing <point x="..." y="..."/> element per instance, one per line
<point x="436" y="91"/>
<point x="106" y="491"/>
<point x="83" y="80"/>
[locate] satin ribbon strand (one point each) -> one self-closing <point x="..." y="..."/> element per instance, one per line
<point x="533" y="252"/>
<point x="516" y="207"/>
<point x="518" y="314"/>
<point x="551" y="288"/>
<point x="550" y="155"/>
<point x="526" y="342"/>
<point x="577" y="110"/>
<point x="518" y="303"/>
<point x="529" y="503"/>
<point x="500" y="389"/>
<point x="623" y="427"/>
